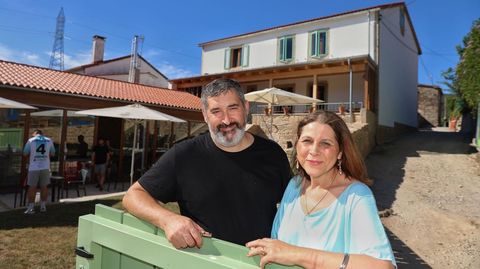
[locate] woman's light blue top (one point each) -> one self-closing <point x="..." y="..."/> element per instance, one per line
<point x="350" y="224"/>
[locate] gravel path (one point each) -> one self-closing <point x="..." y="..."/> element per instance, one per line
<point x="427" y="186"/>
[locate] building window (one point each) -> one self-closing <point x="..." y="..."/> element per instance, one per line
<point x="318" y="43"/>
<point x="236" y="57"/>
<point x="402" y="21"/>
<point x="285" y="49"/>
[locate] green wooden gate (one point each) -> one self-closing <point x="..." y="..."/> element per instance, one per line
<point x="114" y="239"/>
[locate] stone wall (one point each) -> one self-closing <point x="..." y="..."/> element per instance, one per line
<point x="284" y="130"/>
<point x="429" y="106"/>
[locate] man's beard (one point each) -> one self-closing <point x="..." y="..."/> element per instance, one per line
<point x="222" y="139"/>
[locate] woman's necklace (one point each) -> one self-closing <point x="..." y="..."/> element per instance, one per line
<point x="321" y="198"/>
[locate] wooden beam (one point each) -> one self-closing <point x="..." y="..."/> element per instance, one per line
<point x="323" y="70"/>
<point x="26" y="135"/>
<point x="62" y="147"/>
<point x="366" y="92"/>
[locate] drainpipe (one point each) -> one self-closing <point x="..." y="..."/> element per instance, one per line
<point x="368" y="47"/>
<point x="350" y="90"/>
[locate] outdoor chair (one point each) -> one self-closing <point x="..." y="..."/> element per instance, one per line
<point x="74" y="176"/>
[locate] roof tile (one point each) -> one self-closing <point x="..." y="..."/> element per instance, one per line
<point x="22" y="75"/>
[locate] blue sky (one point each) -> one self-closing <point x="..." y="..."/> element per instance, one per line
<point x="173" y="29"/>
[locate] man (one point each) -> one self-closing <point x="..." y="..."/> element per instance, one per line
<point x="100" y="158"/>
<point x="227" y="182"/>
<point x="82" y="147"/>
<point x="40" y="148"/>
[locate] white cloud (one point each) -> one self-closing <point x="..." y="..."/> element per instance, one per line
<point x="173" y="72"/>
<point x="27" y="57"/>
<point x="13" y="55"/>
<point x="32" y="58"/>
<point x="150" y="53"/>
<point x="6" y="53"/>
<point x="80" y="58"/>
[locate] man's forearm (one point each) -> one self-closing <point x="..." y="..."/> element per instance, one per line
<point x="142" y="205"/>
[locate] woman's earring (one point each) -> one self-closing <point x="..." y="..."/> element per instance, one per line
<point x="297" y="165"/>
<point x="339" y="164"/>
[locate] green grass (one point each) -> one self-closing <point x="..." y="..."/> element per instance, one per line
<point x="47" y="240"/>
<point x="44" y="240"/>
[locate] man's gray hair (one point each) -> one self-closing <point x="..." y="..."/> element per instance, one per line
<point x="221" y="86"/>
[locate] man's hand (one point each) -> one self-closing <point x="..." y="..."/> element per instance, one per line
<point x="183" y="232"/>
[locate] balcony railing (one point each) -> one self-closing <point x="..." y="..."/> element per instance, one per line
<point x="304" y="108"/>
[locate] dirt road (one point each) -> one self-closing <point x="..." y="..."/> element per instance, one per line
<point x="429" y="185"/>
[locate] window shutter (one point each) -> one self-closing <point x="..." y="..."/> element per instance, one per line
<point x="313" y="44"/>
<point x="281" y="49"/>
<point x="226" y="59"/>
<point x="288" y="48"/>
<point x="245" y="55"/>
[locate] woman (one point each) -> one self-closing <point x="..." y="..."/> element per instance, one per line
<point x="327" y="217"/>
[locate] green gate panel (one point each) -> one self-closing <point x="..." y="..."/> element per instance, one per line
<point x="109" y="213"/>
<point x="145" y="226"/>
<point x="119" y="240"/>
<point x="129" y="263"/>
<point x="110" y="258"/>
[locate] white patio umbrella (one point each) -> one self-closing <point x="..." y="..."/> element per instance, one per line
<point x="276" y="96"/>
<point x="55" y="113"/>
<point x="134" y="112"/>
<point x="7" y="103"/>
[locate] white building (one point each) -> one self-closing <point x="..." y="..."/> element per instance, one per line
<point x="369" y="54"/>
<point x="119" y="68"/>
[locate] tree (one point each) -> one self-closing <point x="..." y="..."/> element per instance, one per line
<point x="455" y="104"/>
<point x="468" y="69"/>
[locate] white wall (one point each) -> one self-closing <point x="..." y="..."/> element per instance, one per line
<point x="347" y="36"/>
<point x="398" y="72"/>
<point x="118" y="70"/>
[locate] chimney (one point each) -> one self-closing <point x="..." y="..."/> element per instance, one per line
<point x="98" y="48"/>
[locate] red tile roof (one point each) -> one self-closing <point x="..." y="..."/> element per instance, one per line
<point x="33" y="77"/>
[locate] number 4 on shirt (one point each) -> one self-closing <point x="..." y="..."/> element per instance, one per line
<point x="41" y="149"/>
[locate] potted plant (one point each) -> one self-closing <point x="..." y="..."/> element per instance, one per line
<point x="454" y="116"/>
<point x="454" y="108"/>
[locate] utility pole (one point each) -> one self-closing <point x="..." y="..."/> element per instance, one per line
<point x="134" y="72"/>
<point x="56" y="57"/>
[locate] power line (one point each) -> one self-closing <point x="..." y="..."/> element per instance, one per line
<point x="426" y="70"/>
<point x="442" y="55"/>
<point x="397" y="38"/>
<point x="21" y="29"/>
<point x="108" y="34"/>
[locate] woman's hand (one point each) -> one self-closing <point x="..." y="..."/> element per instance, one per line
<point x="272" y="250"/>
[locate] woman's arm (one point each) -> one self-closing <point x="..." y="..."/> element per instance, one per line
<point x="276" y="251"/>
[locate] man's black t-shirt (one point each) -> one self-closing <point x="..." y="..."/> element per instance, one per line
<point x="101" y="152"/>
<point x="231" y="195"/>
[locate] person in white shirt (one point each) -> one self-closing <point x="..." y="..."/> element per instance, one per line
<point x="40" y="148"/>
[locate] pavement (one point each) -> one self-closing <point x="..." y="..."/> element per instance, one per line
<point x="7" y="200"/>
